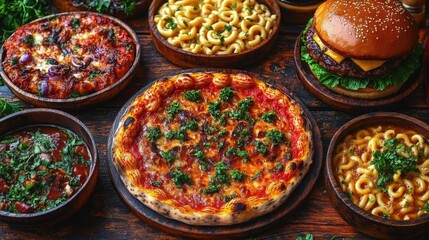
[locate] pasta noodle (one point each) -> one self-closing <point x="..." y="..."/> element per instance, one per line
<point x="214" y="26"/>
<point x="406" y="195"/>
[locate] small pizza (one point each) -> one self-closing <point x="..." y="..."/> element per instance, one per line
<point x="69" y="55"/>
<point x="212" y="148"/>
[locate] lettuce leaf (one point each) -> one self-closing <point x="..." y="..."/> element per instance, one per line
<point x="398" y="75"/>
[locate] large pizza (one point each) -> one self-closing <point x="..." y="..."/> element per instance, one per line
<point x="212" y="148"/>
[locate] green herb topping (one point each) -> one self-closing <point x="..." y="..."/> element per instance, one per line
<point x="276" y="136"/>
<point x="192" y="95"/>
<point x="154" y="133"/>
<point x="269" y="117"/>
<point x="180" y="178"/>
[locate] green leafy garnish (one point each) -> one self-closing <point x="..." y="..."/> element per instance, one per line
<point x="213" y="187"/>
<point x="154" y="133"/>
<point x="426" y="206"/>
<point x="170" y="23"/>
<point x="269" y="117"/>
<point x="237" y="175"/>
<point x="192" y="95"/>
<point x="75" y="23"/>
<point x="227" y="198"/>
<point x="261" y="147"/>
<point x="168" y="156"/>
<point x="155" y="183"/>
<point x="226" y="94"/>
<point x="15" y="13"/>
<point x="174" y="108"/>
<point x="258" y="174"/>
<point x="276" y="136"/>
<point x="243" y="154"/>
<point x="7" y="107"/>
<point x="214" y="109"/>
<point x="388" y="161"/>
<point x="395" y="77"/>
<point x="201" y="157"/>
<point x="108" y="6"/>
<point x="180" y="178"/>
<point x="307" y="236"/>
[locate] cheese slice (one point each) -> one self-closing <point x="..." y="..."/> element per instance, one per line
<point x="365" y="65"/>
<point x="335" y="56"/>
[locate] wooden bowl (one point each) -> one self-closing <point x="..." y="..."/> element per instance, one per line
<point x="363" y="221"/>
<point x="187" y="59"/>
<point x="312" y="84"/>
<point x="71" y="6"/>
<point x="83" y="101"/>
<point x="233" y="231"/>
<point x="43" y="116"/>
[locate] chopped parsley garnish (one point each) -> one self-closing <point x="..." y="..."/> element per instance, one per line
<point x="192" y="95"/>
<point x="179" y="135"/>
<point x="388" y="161"/>
<point x="154" y="133"/>
<point x="155" y="183"/>
<point x="233" y="6"/>
<point x="249" y="9"/>
<point x="170" y="24"/>
<point x="52" y="61"/>
<point x="222" y="40"/>
<point x="180" y="178"/>
<point x="237" y="175"/>
<point x="174" y="108"/>
<point x="29" y="40"/>
<point x="190" y="125"/>
<point x="196" y="7"/>
<point x="245" y="104"/>
<point x="226" y="94"/>
<point x="75" y="23"/>
<point x="261" y="147"/>
<point x="258" y="174"/>
<point x="279" y="166"/>
<point x="307" y="236"/>
<point x="14" y="61"/>
<point x="129" y="47"/>
<point x="227" y="198"/>
<point x="243" y="154"/>
<point x="269" y="117"/>
<point x="7" y="107"/>
<point x="213" y="187"/>
<point x="201" y="157"/>
<point x="222" y="119"/>
<point x="220" y="170"/>
<point x="214" y="109"/>
<point x="276" y="136"/>
<point x="168" y="156"/>
<point x="228" y="28"/>
<point x="222" y="133"/>
<point x="230" y="152"/>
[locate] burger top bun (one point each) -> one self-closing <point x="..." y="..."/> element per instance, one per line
<point x="366" y="29"/>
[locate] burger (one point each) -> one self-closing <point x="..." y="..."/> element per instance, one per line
<point x="363" y="49"/>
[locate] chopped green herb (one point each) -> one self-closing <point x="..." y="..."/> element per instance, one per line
<point x="307" y="236"/>
<point x="154" y="133"/>
<point x="258" y="174"/>
<point x="261" y="147"/>
<point x="243" y="154"/>
<point x="222" y="119"/>
<point x="52" y="61"/>
<point x="192" y="95"/>
<point x="174" y="108"/>
<point x="222" y="133"/>
<point x="180" y="178"/>
<point x="386" y="216"/>
<point x="233" y="6"/>
<point x="426" y="207"/>
<point x="213" y="187"/>
<point x="75" y="23"/>
<point x="155" y="183"/>
<point x="170" y="23"/>
<point x="214" y="109"/>
<point x="228" y="28"/>
<point x="7" y="107"/>
<point x="185" y="23"/>
<point x="388" y="161"/>
<point x="196" y="7"/>
<point x="168" y="156"/>
<point x="279" y="166"/>
<point x="226" y="94"/>
<point x="237" y="175"/>
<point x="14" y="61"/>
<point x="269" y="117"/>
<point x="190" y="125"/>
<point x="220" y="170"/>
<point x="179" y="8"/>
<point x="275" y="136"/>
<point x="227" y="198"/>
<point x="29" y="40"/>
<point x="201" y="157"/>
<point x="230" y="152"/>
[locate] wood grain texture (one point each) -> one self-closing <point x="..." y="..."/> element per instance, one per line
<point x="106" y="217"/>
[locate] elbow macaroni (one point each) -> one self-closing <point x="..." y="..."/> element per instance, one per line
<point x="406" y="194"/>
<point x="214" y="26"/>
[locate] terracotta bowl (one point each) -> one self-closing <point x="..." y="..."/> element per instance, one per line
<point x="70" y="6"/>
<point x="83" y="101"/>
<point x="358" y="218"/>
<point x="43" y="116"/>
<point x="187" y="59"/>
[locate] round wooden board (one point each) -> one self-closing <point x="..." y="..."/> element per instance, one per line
<point x="312" y="84"/>
<point x="174" y="227"/>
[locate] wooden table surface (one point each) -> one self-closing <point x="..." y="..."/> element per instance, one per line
<point x="106" y="217"/>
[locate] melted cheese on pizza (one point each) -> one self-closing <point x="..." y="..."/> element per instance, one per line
<point x="68" y="56"/>
<point x="208" y="146"/>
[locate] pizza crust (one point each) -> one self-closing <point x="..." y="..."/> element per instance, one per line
<point x="237" y="210"/>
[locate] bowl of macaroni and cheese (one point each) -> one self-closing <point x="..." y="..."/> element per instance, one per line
<point x="377" y="174"/>
<point x="205" y="33"/>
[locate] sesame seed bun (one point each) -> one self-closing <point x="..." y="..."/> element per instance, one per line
<point x="366" y="29"/>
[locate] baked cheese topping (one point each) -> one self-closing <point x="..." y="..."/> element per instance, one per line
<point x="201" y="148"/>
<point x="365" y="65"/>
<point x="68" y="56"/>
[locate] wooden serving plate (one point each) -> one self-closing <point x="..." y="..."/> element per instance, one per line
<point x="358" y="218"/>
<point x="188" y="60"/>
<point x="70" y="6"/>
<point x="345" y="103"/>
<point x="83" y="101"/>
<point x="174" y="227"/>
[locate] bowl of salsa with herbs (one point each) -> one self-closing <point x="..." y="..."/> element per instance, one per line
<point x="48" y="166"/>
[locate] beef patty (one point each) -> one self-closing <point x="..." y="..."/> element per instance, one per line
<point x="347" y="67"/>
